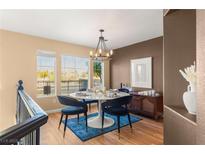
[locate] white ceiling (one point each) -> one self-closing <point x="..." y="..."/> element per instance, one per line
<point x="122" y="27"/>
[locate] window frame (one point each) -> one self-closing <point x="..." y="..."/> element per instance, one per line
<point x="102" y="69"/>
<point x="52" y="54"/>
<point x="61" y="68"/>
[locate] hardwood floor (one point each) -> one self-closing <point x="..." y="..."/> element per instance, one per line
<point x="146" y="131"/>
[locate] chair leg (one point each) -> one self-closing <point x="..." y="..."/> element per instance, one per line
<point x="66" y="119"/>
<point x="86" y="121"/>
<point x="129" y="120"/>
<point x="60" y="120"/>
<point x="102" y="119"/>
<point x="118" y="123"/>
<point x="78" y="118"/>
<point x="98" y="106"/>
<point x="89" y="107"/>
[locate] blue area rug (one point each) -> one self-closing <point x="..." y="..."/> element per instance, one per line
<point x="80" y="129"/>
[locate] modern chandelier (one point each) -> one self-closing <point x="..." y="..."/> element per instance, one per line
<point x="101" y="52"/>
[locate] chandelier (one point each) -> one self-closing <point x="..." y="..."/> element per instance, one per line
<point x="101" y="52"/>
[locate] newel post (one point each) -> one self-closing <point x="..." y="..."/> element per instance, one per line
<point x="20" y="85"/>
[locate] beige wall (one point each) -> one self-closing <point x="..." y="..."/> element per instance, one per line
<point x="19" y="62"/>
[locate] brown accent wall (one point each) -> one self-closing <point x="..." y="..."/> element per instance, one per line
<point x="179" y="52"/>
<point x="200" y="76"/>
<point x="120" y="63"/>
<point x="178" y="131"/>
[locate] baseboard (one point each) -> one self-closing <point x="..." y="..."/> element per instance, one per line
<point x="53" y="111"/>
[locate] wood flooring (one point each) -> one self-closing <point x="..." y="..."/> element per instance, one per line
<point x="144" y="132"/>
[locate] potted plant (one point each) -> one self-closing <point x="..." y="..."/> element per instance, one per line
<point x="189" y="97"/>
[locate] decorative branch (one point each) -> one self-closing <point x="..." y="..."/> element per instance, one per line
<point x="189" y="73"/>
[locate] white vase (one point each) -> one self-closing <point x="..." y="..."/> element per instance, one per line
<point x="189" y="98"/>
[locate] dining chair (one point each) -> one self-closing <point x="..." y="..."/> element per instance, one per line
<point x="89" y="101"/>
<point x="117" y="107"/>
<point x="124" y="90"/>
<point x="75" y="107"/>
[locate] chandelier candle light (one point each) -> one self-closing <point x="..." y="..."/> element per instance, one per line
<point x="101" y="52"/>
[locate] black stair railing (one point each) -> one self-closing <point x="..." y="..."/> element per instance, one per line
<point x="29" y="118"/>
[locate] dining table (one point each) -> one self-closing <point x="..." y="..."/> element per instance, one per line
<point x="96" y="121"/>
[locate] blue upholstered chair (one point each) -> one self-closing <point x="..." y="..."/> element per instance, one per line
<point x="75" y="107"/>
<point x="117" y="107"/>
<point x="124" y="90"/>
<point x="89" y="101"/>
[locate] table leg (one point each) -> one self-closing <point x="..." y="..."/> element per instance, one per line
<point x="96" y="122"/>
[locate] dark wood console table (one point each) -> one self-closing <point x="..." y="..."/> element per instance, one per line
<point x="151" y="106"/>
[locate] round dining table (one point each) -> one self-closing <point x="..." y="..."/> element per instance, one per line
<point x="96" y="121"/>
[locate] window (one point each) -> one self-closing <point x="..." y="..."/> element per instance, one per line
<point x="74" y="74"/>
<point x="46" y="63"/>
<point x="97" y="74"/>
